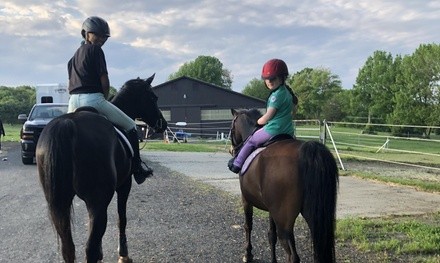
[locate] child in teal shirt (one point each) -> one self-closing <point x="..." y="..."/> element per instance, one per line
<point x="278" y="116"/>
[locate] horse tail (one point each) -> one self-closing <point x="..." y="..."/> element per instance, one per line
<point x="320" y="179"/>
<point x="55" y="166"/>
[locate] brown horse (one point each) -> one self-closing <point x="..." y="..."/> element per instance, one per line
<point x="287" y="178"/>
<point x="80" y="154"/>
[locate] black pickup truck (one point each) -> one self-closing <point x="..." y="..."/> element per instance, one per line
<point x="39" y="116"/>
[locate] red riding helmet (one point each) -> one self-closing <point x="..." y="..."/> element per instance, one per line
<point x="274" y="68"/>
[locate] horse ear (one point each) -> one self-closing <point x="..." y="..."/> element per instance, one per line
<point x="233" y="112"/>
<point x="150" y="79"/>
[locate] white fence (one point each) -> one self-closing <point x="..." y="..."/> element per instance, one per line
<point x="379" y="144"/>
<point x="349" y="140"/>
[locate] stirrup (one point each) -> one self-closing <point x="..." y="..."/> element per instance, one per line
<point x="147" y="168"/>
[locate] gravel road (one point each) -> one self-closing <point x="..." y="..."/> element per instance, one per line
<point x="184" y="213"/>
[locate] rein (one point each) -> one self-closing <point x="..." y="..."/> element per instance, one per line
<point x="235" y="147"/>
<point x="150" y="132"/>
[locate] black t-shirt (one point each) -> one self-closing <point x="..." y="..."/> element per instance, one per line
<point x="85" y="69"/>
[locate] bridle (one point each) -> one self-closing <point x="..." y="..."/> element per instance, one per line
<point x="158" y="124"/>
<point x="236" y="147"/>
<point x="151" y="131"/>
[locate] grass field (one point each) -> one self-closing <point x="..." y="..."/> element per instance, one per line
<point x="12" y="133"/>
<point x="353" y="143"/>
<point x="394" y="239"/>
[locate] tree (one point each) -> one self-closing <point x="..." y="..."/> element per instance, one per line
<point x="112" y="92"/>
<point x="417" y="99"/>
<point x="14" y="101"/>
<point x="337" y="106"/>
<point x="205" y="68"/>
<point x="374" y="87"/>
<point x="314" y="88"/>
<point x="257" y="89"/>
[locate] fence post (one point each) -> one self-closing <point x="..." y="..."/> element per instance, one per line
<point x="334" y="145"/>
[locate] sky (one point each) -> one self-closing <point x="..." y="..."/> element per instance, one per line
<point x="158" y="36"/>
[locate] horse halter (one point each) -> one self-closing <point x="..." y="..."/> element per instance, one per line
<point x="152" y="100"/>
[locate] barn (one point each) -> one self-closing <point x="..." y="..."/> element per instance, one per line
<point x="203" y="107"/>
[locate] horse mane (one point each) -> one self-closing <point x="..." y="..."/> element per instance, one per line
<point x="133" y="85"/>
<point x="249" y="116"/>
<point x="252" y="115"/>
<point x="131" y="88"/>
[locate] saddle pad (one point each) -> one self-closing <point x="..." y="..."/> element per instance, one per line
<point x="250" y="158"/>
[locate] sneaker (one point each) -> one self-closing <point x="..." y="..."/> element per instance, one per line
<point x="231" y="162"/>
<point x="235" y="169"/>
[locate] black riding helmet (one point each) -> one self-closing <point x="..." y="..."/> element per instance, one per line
<point x="95" y="25"/>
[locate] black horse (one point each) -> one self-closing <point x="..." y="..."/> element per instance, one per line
<point x="80" y="154"/>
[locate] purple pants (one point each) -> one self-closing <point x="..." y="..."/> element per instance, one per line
<point x="253" y="142"/>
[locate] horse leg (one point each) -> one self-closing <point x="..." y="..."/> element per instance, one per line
<point x="123" y="193"/>
<point x="62" y="222"/>
<point x="272" y="235"/>
<point x="284" y="221"/>
<point x="287" y="240"/>
<point x="97" y="227"/>
<point x="248" y="214"/>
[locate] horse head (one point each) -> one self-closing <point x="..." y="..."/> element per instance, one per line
<point x="137" y="99"/>
<point x="243" y="125"/>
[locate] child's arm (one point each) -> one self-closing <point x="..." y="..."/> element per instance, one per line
<point x="270" y="112"/>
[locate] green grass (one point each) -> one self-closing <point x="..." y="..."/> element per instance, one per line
<point x="423" y="185"/>
<point x="12" y="132"/>
<point x="191" y="146"/>
<point x="415" y="239"/>
<point x="391" y="239"/>
<point x="352" y="143"/>
<point x="354" y="139"/>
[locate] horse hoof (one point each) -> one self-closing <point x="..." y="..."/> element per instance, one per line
<point x="125" y="260"/>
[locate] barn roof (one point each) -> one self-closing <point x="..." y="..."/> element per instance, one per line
<point x="209" y="85"/>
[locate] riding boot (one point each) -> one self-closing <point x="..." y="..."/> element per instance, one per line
<point x="139" y="173"/>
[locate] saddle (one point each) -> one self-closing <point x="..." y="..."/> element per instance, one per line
<point x="121" y="133"/>
<point x="251" y="157"/>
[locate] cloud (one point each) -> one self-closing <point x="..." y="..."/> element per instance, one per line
<point x="159" y="36"/>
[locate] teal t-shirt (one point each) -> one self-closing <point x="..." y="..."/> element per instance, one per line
<point x="281" y="122"/>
